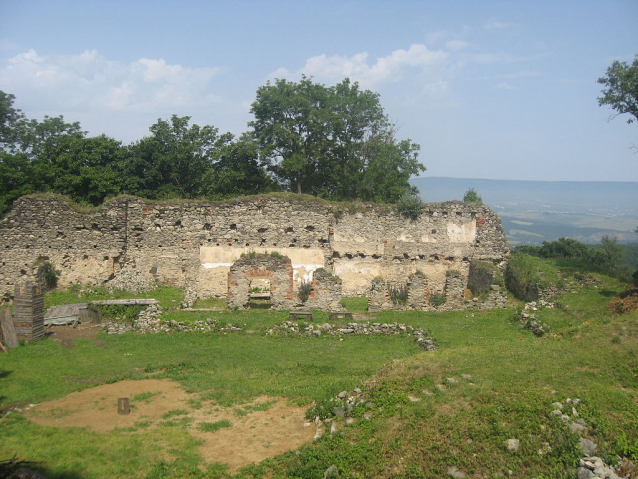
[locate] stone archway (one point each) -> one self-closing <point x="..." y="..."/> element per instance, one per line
<point x="273" y="269"/>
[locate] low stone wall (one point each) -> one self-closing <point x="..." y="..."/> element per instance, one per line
<point x="420" y="335"/>
<point x="325" y="293"/>
<point x="421" y="297"/>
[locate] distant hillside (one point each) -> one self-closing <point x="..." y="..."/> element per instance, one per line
<point x="537" y="211"/>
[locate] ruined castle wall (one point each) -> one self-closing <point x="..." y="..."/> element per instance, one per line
<point x="194" y="244"/>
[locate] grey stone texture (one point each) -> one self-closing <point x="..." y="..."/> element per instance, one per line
<point x="165" y="243"/>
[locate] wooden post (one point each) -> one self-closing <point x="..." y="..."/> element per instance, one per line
<point x="123" y="407"/>
<point x="8" y="330"/>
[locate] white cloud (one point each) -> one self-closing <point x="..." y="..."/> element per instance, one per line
<point x="456" y="45"/>
<point x="91" y="81"/>
<point x="505" y="86"/>
<point x="368" y="72"/>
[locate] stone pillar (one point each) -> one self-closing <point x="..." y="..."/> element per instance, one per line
<point x="28" y="314"/>
<point x="418" y="292"/>
<point x="455" y="292"/>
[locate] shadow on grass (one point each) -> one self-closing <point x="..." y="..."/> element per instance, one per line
<point x="4" y="374"/>
<point x="608" y="293"/>
<point x="9" y="467"/>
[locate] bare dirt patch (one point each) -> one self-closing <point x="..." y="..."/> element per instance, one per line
<point x="65" y="335"/>
<point x="258" y="430"/>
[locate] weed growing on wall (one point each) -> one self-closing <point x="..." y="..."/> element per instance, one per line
<point x="398" y="293"/>
<point x="410" y="205"/>
<point x="437" y="299"/>
<point x="304" y="291"/>
<point x="47" y="275"/>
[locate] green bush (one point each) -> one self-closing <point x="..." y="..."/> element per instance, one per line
<point x="482" y="276"/>
<point x="521" y="277"/>
<point x="399" y="294"/>
<point x="47" y="275"/>
<point x="410" y="205"/>
<point x="437" y="299"/>
<point x="304" y="291"/>
<point x="471" y="196"/>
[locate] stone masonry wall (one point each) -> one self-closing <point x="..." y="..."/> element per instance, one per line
<point x="277" y="271"/>
<point x="194" y="244"/>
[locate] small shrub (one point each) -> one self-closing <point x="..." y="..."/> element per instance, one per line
<point x="322" y="409"/>
<point x="437" y="299"/>
<point x="521" y="278"/>
<point x="625" y="302"/>
<point x="452" y="273"/>
<point x="304" y="291"/>
<point x="399" y="294"/>
<point x="47" y="275"/>
<point x="471" y="196"/>
<point x="482" y="276"/>
<point x="410" y="205"/>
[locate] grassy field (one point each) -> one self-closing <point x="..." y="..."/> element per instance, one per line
<point x="489" y="381"/>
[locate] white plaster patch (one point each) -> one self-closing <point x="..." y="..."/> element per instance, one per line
<point x="304" y="261"/>
<point x="216" y="265"/>
<point x="463" y="233"/>
<point x="406" y="238"/>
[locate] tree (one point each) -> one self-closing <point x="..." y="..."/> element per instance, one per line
<point x="471" y="196"/>
<point x="13" y="124"/>
<point x="173" y="161"/>
<point x="334" y="142"/>
<point x="621" y="92"/>
<point x="236" y="170"/>
<point x="88" y="170"/>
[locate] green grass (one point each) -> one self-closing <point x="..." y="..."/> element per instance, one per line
<point x="415" y="423"/>
<point x="213" y="426"/>
<point x="167" y="296"/>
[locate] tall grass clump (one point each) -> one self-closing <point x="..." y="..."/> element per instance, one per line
<point x="521" y="277"/>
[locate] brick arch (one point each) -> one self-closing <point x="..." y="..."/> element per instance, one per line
<point x="278" y="269"/>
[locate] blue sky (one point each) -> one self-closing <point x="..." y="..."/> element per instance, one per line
<point x="489" y="89"/>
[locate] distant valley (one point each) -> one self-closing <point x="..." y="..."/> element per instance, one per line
<point x="537" y="211"/>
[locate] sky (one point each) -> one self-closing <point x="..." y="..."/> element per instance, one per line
<point x="489" y="89"/>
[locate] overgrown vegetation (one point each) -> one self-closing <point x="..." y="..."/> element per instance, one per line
<point x="437" y="299"/>
<point x="398" y="293"/>
<point x="410" y="205"/>
<point x="607" y="257"/>
<point x="47" y="275"/>
<point x="303" y="293"/>
<point x="521" y="277"/>
<point x="424" y="412"/>
<point x="471" y="196"/>
<point x="482" y="276"/>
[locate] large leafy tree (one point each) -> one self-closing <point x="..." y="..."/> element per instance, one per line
<point x="88" y="170"/>
<point x="173" y="160"/>
<point x="621" y="89"/>
<point x="236" y="170"/>
<point x="335" y="142"/>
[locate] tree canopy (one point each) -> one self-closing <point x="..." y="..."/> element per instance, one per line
<point x="335" y="142"/>
<point x="621" y="89"/>
<point x="330" y="141"/>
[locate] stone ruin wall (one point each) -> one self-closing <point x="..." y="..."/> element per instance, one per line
<point x="194" y="244"/>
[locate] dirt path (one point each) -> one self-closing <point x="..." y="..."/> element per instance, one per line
<point x="264" y="428"/>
